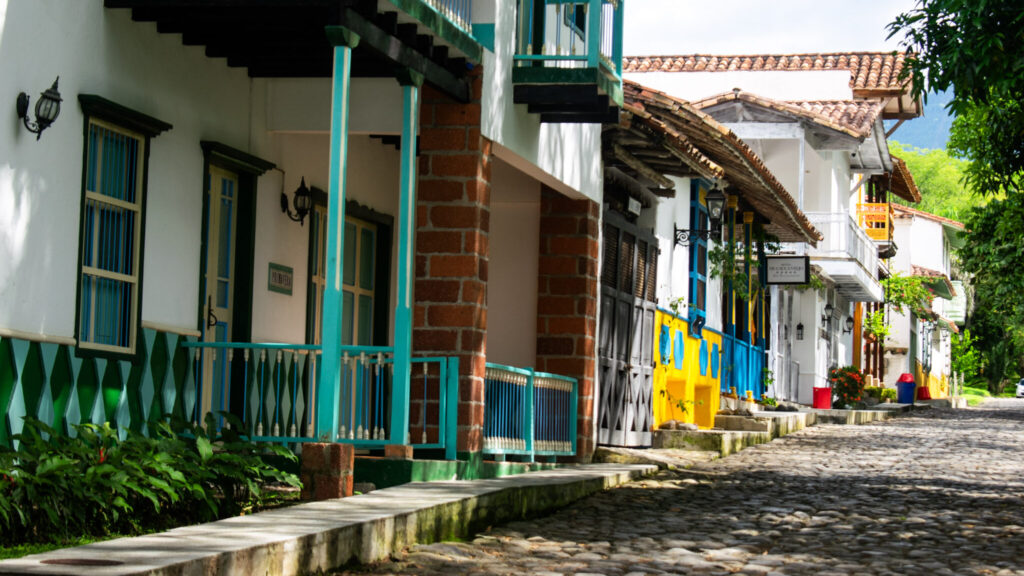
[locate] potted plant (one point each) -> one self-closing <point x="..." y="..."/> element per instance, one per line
<point x="847" y="387"/>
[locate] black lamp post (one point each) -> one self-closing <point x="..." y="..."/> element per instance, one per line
<point x="715" y="199"/>
<point x="302" y="201"/>
<point x="47" y="109"/>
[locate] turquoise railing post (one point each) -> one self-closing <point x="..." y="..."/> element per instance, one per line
<point x="594" y="33"/>
<point x="411" y="82"/>
<point x="330" y="335"/>
<point x="617" y="40"/>
<point x="528" y="414"/>
<point x="451" y="409"/>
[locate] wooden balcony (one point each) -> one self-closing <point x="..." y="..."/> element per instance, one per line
<point x="876" y="221"/>
<point x="568" y="62"/>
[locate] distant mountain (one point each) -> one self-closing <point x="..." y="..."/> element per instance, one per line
<point x="930" y="131"/>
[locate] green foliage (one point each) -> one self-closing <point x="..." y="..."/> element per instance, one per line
<point x="1000" y="366"/>
<point x="56" y="487"/>
<point x="769" y="400"/>
<point x="874" y="324"/>
<point x="973" y="47"/>
<point x="880" y="393"/>
<point x="940" y="180"/>
<point x="965" y="358"/>
<point x="991" y="137"/>
<point x="905" y="293"/>
<point x="729" y="261"/>
<point x="847" y="386"/>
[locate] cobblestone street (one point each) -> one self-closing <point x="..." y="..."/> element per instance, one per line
<point x="939" y="492"/>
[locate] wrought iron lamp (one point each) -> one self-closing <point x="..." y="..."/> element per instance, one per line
<point x="827" y="316"/>
<point x="715" y="200"/>
<point x="302" y="202"/>
<point x="47" y="109"/>
<point x="848" y="327"/>
<point x="800" y="331"/>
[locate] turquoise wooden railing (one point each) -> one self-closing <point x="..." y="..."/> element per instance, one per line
<point x="274" y="387"/>
<point x="528" y="413"/>
<point x="571" y="34"/>
<point x="742" y="367"/>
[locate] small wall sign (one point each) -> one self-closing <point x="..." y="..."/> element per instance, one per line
<point x="789" y="269"/>
<point x="279" y="279"/>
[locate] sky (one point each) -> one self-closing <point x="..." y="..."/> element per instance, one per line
<point x="663" y="27"/>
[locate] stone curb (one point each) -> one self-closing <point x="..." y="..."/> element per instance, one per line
<point x="320" y="536"/>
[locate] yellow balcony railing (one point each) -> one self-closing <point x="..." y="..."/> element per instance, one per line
<point x="876" y="220"/>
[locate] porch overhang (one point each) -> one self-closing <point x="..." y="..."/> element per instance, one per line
<point x="287" y="39"/>
<point x="852" y="280"/>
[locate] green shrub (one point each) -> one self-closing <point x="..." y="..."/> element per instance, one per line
<point x="56" y="487"/>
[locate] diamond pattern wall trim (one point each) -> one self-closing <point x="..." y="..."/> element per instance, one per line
<point x="47" y="381"/>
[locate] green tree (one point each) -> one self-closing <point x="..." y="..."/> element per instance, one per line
<point x="940" y="179"/>
<point x="973" y="47"/>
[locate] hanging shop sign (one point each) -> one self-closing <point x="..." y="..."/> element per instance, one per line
<point x="789" y="269"/>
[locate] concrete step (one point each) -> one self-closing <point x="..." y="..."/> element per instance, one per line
<point x="777" y="424"/>
<point x="671" y="459"/>
<point x="723" y="442"/>
<point x="321" y="536"/>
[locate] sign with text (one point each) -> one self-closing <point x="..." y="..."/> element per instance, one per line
<point x="789" y="269"/>
<point x="279" y="279"/>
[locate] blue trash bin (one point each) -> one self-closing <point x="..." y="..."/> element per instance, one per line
<point x="905" y="389"/>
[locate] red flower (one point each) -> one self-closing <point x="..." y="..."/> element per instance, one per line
<point x="103" y="455"/>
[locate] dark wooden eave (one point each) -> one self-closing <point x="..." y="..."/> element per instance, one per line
<point x="287" y="38"/>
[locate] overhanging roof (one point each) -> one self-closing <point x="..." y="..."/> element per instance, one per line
<point x="677" y="139"/>
<point x="903" y="184"/>
<point x="937" y="281"/>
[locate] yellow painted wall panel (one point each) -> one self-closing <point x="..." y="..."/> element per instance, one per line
<point x="679" y="388"/>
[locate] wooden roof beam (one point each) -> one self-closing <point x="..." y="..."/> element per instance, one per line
<point x="641" y="168"/>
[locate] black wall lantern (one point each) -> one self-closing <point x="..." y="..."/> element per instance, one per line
<point x="303" y="201"/>
<point x="800" y="331"/>
<point x="715" y="199"/>
<point x="826" y="318"/>
<point x="47" y="109"/>
<point x="848" y="325"/>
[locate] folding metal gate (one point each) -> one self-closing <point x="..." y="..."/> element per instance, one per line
<point x="626" y="336"/>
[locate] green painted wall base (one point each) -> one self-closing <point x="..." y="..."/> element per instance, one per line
<point x="384" y="473"/>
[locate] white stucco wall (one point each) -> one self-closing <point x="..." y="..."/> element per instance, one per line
<point x="512" y="271"/>
<point x="101" y="51"/>
<point x="780" y="85"/>
<point x="563" y="156"/>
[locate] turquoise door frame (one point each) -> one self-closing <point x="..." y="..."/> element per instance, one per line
<point x="327" y="409"/>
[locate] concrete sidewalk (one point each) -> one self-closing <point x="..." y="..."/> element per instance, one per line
<point x="320" y="536"/>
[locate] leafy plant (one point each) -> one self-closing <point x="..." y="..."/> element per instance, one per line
<point x="908" y="293"/>
<point x="847" y="386"/>
<point x="769" y="400"/>
<point x="56" y="487"/>
<point x="874" y="324"/>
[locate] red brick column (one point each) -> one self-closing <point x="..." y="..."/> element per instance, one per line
<point x="326" y="470"/>
<point x="453" y="221"/>
<point x="567" y="295"/>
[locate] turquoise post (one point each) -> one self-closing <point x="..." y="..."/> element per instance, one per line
<point x="451" y="406"/>
<point x="330" y="334"/>
<point x="411" y="83"/>
<point x="594" y="33"/>
<point x="529" y="417"/>
<point x="617" y="39"/>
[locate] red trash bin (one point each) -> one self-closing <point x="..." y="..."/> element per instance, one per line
<point x="924" y="393"/>
<point x="822" y="398"/>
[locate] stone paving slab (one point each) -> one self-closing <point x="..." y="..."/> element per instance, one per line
<point x="320" y="536"/>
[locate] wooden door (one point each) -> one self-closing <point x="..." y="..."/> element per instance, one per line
<point x="219" y="281"/>
<point x="626" y="335"/>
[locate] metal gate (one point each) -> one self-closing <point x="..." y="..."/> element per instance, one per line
<point x="626" y="336"/>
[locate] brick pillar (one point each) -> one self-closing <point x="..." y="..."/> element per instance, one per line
<point x="453" y="221"/>
<point x="567" y="300"/>
<point x="326" y="470"/>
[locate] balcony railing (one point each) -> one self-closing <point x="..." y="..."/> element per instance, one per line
<point x="273" y="389"/>
<point x="457" y="11"/>
<point x="876" y="220"/>
<point x="844" y="239"/>
<point x="528" y="413"/>
<point x="571" y="34"/>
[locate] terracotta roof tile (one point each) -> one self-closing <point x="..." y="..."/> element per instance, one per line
<point x="723" y="153"/>
<point x="853" y="117"/>
<point x="903" y="184"/>
<point x="869" y="71"/>
<point x="906" y="211"/>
